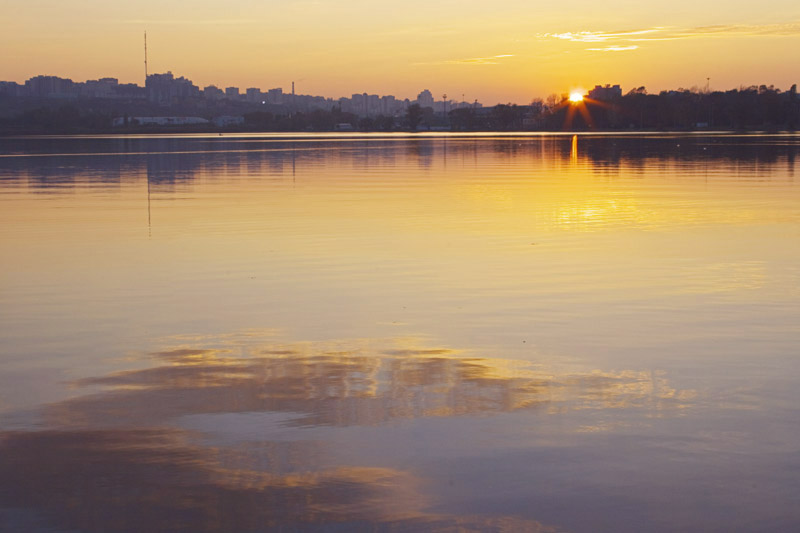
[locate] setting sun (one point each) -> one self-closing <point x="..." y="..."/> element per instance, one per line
<point x="575" y="97"/>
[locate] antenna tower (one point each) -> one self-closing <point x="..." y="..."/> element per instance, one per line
<point x="145" y="56"/>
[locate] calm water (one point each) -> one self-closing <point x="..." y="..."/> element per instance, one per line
<point x="498" y="333"/>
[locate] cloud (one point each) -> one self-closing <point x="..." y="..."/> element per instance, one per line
<point x="614" y="48"/>
<point x="659" y="33"/>
<point x="491" y="60"/>
<point x="788" y="29"/>
<point x="428" y="31"/>
<point x="597" y="36"/>
<point x="189" y="22"/>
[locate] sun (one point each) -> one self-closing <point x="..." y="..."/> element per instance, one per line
<point x="575" y="97"/>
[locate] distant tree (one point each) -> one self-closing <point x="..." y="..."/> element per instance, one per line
<point x="321" y="120"/>
<point x="507" y="117"/>
<point x="384" y="123"/>
<point x="553" y="101"/>
<point x="463" y="119"/>
<point x="537" y="107"/>
<point x="260" y="120"/>
<point x="366" y="124"/>
<point x="414" y="116"/>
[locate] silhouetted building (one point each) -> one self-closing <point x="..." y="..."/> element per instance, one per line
<point x="609" y="92"/>
<point x="358" y="104"/>
<point x="443" y="106"/>
<point x="102" y="88"/>
<point x="388" y="104"/>
<point x="213" y="92"/>
<point x="275" y="96"/>
<point x="165" y="88"/>
<point x="425" y="99"/>
<point x="226" y="121"/>
<point x="130" y="90"/>
<point x="50" y="87"/>
<point x="159" y="121"/>
<point x="305" y="102"/>
<point x="11" y="88"/>
<point x="255" y="95"/>
<point x="373" y="104"/>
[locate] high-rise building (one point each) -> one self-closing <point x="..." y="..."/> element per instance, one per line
<point x="609" y="92"/>
<point x="165" y="88"/>
<point x="213" y="92"/>
<point x="358" y="104"/>
<point x="275" y="96"/>
<point x="102" y="88"/>
<point x="11" y="88"/>
<point x="425" y="99"/>
<point x="373" y="104"/>
<point x="388" y="105"/>
<point x="254" y="95"/>
<point x="50" y="87"/>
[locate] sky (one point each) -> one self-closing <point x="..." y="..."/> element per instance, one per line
<point x="495" y="52"/>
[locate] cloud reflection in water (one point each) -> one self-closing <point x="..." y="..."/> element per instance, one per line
<point x="119" y="459"/>
<point x="364" y="386"/>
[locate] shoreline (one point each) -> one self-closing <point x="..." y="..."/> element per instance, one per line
<point x="388" y="134"/>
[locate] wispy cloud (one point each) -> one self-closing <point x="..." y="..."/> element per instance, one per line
<point x="597" y="36"/>
<point x="659" y="33"/>
<point x="491" y="60"/>
<point x="614" y="48"/>
<point x="417" y="30"/>
<point x="786" y="29"/>
<point x="189" y="22"/>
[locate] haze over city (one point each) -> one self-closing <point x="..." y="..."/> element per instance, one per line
<point x="508" y="52"/>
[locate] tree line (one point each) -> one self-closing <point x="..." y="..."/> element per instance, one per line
<point x="744" y="109"/>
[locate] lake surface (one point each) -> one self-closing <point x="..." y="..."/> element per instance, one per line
<point x="400" y="333"/>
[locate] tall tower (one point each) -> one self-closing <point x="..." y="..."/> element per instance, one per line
<point x="145" y="56"/>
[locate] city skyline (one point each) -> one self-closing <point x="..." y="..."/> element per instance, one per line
<point x="493" y="54"/>
<point x="166" y="89"/>
<point x="49" y="103"/>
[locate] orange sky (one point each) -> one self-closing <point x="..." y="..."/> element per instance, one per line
<point x="494" y="52"/>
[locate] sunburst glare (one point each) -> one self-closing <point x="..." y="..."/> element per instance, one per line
<point x="575" y="97"/>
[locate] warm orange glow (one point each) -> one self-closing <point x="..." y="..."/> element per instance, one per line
<point x="211" y="43"/>
<point x="575" y="97"/>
